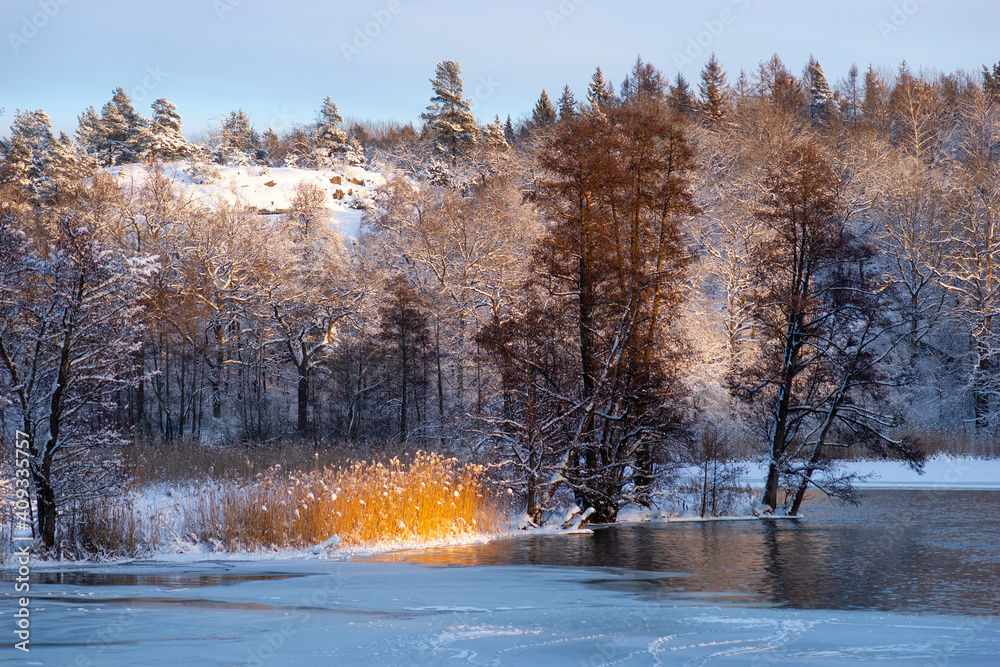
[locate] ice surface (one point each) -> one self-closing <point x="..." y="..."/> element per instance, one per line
<point x="350" y="613"/>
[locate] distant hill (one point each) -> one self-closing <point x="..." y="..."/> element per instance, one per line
<point x="270" y="189"/>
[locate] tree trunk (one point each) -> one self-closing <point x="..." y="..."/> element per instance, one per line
<point x="440" y="379"/>
<point x="982" y="397"/>
<point x="404" y="380"/>
<point x="217" y="374"/>
<point x="770" y="497"/>
<point x="303" y="399"/>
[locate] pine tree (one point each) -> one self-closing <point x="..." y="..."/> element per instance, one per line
<point x="28" y="151"/>
<point x="42" y="164"/>
<point x="163" y="139"/>
<point x="681" y="99"/>
<point x="331" y="140"/>
<point x="124" y="104"/>
<point x="544" y="113"/>
<point x="714" y="92"/>
<point x="824" y="105"/>
<point x="567" y="104"/>
<point x="449" y="117"/>
<point x="355" y="154"/>
<point x="89" y="132"/>
<point x="125" y="128"/>
<point x="508" y="131"/>
<point x="239" y="143"/>
<point x="600" y="93"/>
<point x="67" y="164"/>
<point x="118" y="135"/>
<point x="113" y="137"/>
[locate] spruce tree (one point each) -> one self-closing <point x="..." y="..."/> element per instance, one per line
<point x="681" y="99"/>
<point x="508" y="131"/>
<point x="991" y="83"/>
<point x="567" y="104"/>
<point x="544" y="113"/>
<point x="714" y="92"/>
<point x="449" y="117"/>
<point x="600" y="93"/>
<point x="824" y="104"/>
<point x="644" y="81"/>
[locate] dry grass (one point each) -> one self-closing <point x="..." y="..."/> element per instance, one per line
<point x="108" y="528"/>
<point x="956" y="443"/>
<point x="425" y="498"/>
<point x="931" y="441"/>
<point x="190" y="461"/>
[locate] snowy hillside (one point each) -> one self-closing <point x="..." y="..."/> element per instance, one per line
<point x="269" y="189"/>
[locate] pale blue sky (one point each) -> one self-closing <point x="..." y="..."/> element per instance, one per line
<point x="278" y="61"/>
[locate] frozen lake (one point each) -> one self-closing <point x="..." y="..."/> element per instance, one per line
<point x="901" y="550"/>
<point x="909" y="578"/>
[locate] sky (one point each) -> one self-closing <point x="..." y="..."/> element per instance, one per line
<point x="278" y="61"/>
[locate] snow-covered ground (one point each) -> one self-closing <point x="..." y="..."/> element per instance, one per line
<point x="269" y="189"/>
<point x="351" y="613"/>
<point x="940" y="472"/>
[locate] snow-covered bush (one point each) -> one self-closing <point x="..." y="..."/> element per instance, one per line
<point x="203" y="173"/>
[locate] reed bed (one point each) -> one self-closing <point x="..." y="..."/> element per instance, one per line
<point x="428" y="497"/>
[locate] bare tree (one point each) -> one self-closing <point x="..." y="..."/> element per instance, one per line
<point x="975" y="240"/>
<point x="825" y="331"/>
<point x="71" y="327"/>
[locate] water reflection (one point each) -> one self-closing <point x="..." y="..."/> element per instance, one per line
<point x="922" y="551"/>
<point x="157" y="580"/>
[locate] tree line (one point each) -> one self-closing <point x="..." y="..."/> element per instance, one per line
<point x="575" y="298"/>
